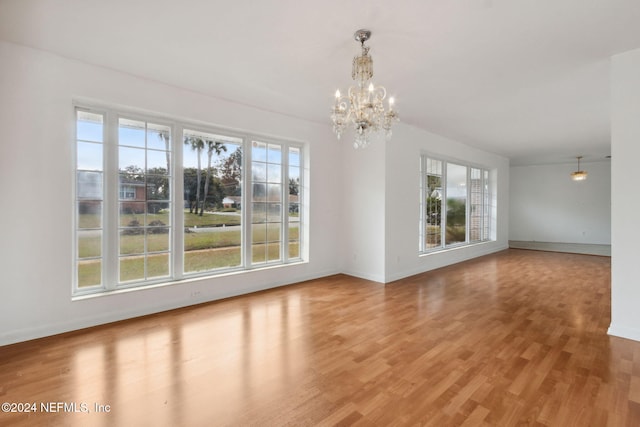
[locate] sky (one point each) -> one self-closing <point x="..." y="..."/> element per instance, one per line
<point x="132" y="141"/>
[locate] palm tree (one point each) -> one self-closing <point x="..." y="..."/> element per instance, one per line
<point x="217" y="147"/>
<point x="196" y="144"/>
<point x="164" y="137"/>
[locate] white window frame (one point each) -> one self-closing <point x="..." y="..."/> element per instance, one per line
<point x="486" y="197"/>
<point x="111" y="193"/>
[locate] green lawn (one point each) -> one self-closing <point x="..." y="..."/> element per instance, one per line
<point x="204" y="251"/>
<point x="132" y="268"/>
<point x="190" y="220"/>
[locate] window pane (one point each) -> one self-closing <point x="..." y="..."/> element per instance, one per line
<point x="131" y="133"/>
<point x="274" y="154"/>
<point x="433" y="204"/>
<point x="259" y="234"/>
<point x="259" y="192"/>
<point x="259" y="172"/>
<point x="273" y="251"/>
<point x="89" y="273"/>
<point x="259" y="254"/>
<point x="212" y="204"/>
<point x="131" y="214"/>
<point x="89" y="214"/>
<point x="294" y="249"/>
<point x="157" y="239"/>
<point x="158" y="137"/>
<point x="293" y="245"/>
<point x="274" y="212"/>
<point x="89" y="244"/>
<point x="89" y="156"/>
<point x="476" y="214"/>
<point x="456" y="203"/>
<point x="157" y="266"/>
<point x="89" y="126"/>
<point x="158" y="187"/>
<point x="274" y="173"/>
<point x="89" y="199"/>
<point x="158" y="162"/>
<point x="89" y="185"/>
<point x="294" y="176"/>
<point x="259" y="151"/>
<point x="205" y="260"/>
<point x="145" y="198"/>
<point x="132" y="241"/>
<point x="131" y="160"/>
<point x="294" y="156"/>
<point x="259" y="213"/>
<point x="274" y="232"/>
<point x="294" y="211"/>
<point x="274" y="193"/>
<point x="132" y="268"/>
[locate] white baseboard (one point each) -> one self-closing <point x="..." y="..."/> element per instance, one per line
<point x="574" y="248"/>
<point x="624" y="332"/>
<point x="96" y="319"/>
<point x="439" y="259"/>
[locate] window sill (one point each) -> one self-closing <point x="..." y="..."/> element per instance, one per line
<point x="186" y="280"/>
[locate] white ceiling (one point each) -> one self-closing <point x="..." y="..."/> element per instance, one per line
<point x="528" y="79"/>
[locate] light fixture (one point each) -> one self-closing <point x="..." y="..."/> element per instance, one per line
<point x="579" y="175"/>
<point x="363" y="106"/>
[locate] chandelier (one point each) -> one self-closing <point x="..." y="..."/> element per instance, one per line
<point x="579" y="175"/>
<point x="363" y="107"/>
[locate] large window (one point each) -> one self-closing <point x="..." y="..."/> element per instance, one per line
<point x="212" y="221"/>
<point x="159" y="200"/>
<point x="454" y="204"/>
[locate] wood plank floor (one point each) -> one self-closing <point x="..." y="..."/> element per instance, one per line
<point x="514" y="338"/>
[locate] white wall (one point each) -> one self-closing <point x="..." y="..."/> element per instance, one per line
<point x="363" y="213"/>
<point x="625" y="203"/>
<point x="36" y="171"/>
<point x="363" y="206"/>
<point x="402" y="202"/>
<point x="547" y="206"/>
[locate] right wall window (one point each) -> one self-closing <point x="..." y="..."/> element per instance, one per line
<point x="455" y="204"/>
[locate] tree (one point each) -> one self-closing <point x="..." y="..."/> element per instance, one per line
<point x="190" y="187"/>
<point x="132" y="173"/>
<point x="212" y="147"/>
<point x="231" y="173"/>
<point x="196" y="144"/>
<point x="294" y="186"/>
<point x="164" y="137"/>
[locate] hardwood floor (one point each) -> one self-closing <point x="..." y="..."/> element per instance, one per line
<point x="515" y="338"/>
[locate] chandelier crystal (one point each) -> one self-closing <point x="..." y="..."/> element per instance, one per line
<point x="363" y="106"/>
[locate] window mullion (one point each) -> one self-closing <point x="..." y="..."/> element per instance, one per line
<point x="284" y="232"/>
<point x="423" y="204"/>
<point x="247" y="205"/>
<point x="177" y="201"/>
<point x="111" y="231"/>
<point x="483" y="204"/>
<point x="467" y="208"/>
<point x="443" y="207"/>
